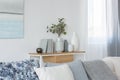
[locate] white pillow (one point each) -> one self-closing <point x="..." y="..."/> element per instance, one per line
<point x="61" y="72"/>
<point x="110" y="64"/>
<point x="115" y="62"/>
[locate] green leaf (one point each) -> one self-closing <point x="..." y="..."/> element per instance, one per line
<point x="50" y="30"/>
<point x="65" y="33"/>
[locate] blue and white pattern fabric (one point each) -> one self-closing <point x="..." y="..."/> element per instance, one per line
<point x="6" y="71"/>
<point x="21" y="70"/>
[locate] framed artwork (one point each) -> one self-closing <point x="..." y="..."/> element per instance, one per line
<point x="11" y="19"/>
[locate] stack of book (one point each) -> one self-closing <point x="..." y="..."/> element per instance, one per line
<point x="47" y="45"/>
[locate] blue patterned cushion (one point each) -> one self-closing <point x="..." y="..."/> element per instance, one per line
<point x="6" y="71"/>
<point x="20" y="70"/>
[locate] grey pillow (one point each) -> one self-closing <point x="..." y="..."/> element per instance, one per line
<point x="98" y="70"/>
<point x="76" y="68"/>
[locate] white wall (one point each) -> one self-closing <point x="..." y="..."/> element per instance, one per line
<point x="39" y="14"/>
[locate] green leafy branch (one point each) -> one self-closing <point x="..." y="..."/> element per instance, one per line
<point x="59" y="28"/>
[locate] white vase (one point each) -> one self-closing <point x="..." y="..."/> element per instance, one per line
<point x="59" y="45"/>
<point x="75" y="42"/>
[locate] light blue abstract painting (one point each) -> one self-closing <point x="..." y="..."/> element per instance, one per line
<point x="11" y="19"/>
<point x="11" y="29"/>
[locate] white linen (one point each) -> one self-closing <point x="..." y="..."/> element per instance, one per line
<point x="114" y="65"/>
<point x="61" y="72"/>
<point x="108" y="61"/>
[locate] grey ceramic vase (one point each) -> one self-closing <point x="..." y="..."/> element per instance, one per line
<point x="59" y="45"/>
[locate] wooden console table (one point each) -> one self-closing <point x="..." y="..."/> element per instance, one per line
<point x="56" y="57"/>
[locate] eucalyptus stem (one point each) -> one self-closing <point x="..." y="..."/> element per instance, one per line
<point x="58" y="28"/>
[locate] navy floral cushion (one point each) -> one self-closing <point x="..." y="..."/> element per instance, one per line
<point x="20" y="70"/>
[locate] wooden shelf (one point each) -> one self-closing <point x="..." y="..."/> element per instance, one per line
<point x="57" y="54"/>
<point x="55" y="57"/>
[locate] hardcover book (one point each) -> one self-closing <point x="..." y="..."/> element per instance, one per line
<point x="43" y="45"/>
<point x="50" y="46"/>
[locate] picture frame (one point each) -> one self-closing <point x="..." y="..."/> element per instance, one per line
<point x="11" y="19"/>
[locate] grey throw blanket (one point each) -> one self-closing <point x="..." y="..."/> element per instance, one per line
<point x="98" y="70"/>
